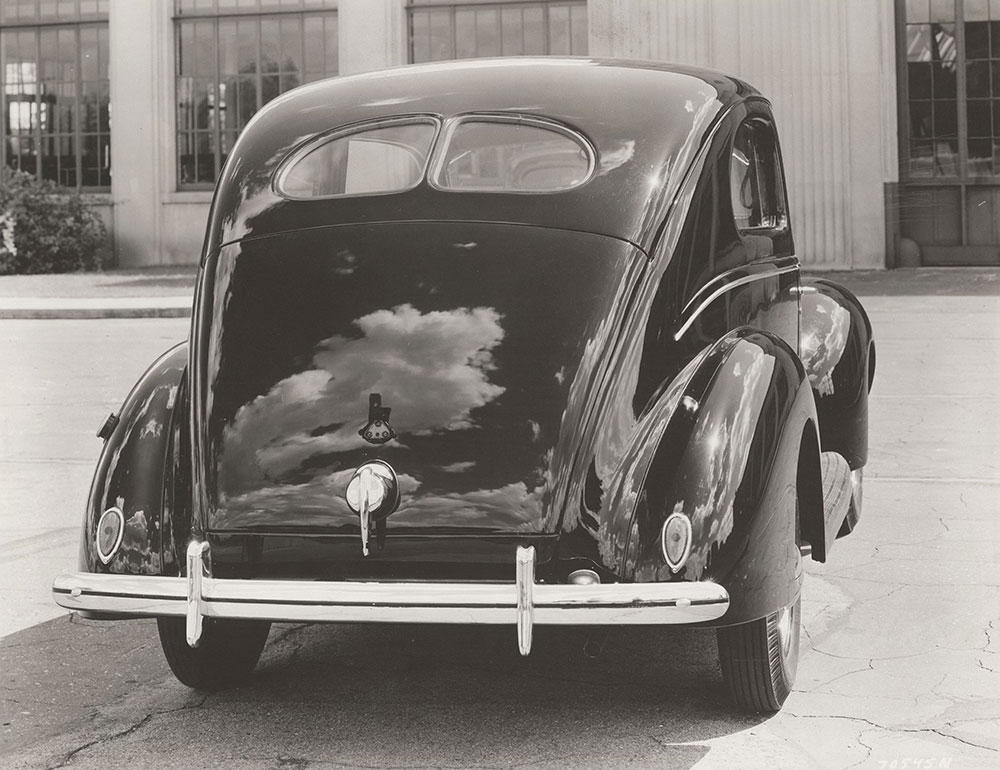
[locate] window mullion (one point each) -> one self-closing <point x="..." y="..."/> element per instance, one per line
<point x="961" y="123"/>
<point x="77" y="110"/>
<point x="217" y="112"/>
<point x="38" y="104"/>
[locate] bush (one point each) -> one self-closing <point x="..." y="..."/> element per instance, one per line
<point x="46" y="230"/>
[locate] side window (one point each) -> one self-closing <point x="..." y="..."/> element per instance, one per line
<point x="755" y="180"/>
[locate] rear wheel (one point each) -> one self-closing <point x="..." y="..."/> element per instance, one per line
<point x="759" y="659"/>
<point x="225" y="656"/>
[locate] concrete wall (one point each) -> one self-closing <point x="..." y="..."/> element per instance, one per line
<point x="828" y="68"/>
<point x="153" y="224"/>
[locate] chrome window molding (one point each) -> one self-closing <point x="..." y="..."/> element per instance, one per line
<point x="729" y="280"/>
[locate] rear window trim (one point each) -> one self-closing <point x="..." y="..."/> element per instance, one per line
<point x="440" y="151"/>
<point x="318" y="140"/>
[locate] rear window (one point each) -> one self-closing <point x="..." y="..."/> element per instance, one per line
<point x="513" y="155"/>
<point x="379" y="158"/>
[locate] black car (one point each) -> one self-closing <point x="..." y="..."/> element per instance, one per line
<point x="518" y="341"/>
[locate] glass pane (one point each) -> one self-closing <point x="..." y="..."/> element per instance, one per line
<point x="977" y="79"/>
<point x="421" y="41"/>
<point x="315" y="43"/>
<point x="980" y="157"/>
<point x="995" y="37"/>
<point x="246" y="46"/>
<point x="942" y="10"/>
<point x="291" y="45"/>
<point x="977" y="10"/>
<point x="486" y="155"/>
<point x="442" y="46"/>
<point x="946" y="158"/>
<point x="945" y="81"/>
<point x="919" y="80"/>
<point x="978" y="117"/>
<point x="487" y="33"/>
<point x="945" y="119"/>
<point x="228" y="48"/>
<point x="534" y="31"/>
<point x="977" y="40"/>
<point x="270" y="87"/>
<point x="270" y="41"/>
<point x="465" y="34"/>
<point x="512" y="32"/>
<point x="918" y="43"/>
<point x="559" y="30"/>
<point x="578" y="30"/>
<point x="920" y="120"/>
<point x="205" y="158"/>
<point x="374" y="160"/>
<point x="918" y="10"/>
<point x="922" y="158"/>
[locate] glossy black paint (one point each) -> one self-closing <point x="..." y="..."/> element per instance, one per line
<point x="839" y="354"/>
<point x="563" y="370"/>
<point x="131" y="473"/>
<point x="646" y="121"/>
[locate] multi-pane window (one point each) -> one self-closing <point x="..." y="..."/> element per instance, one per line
<point x="234" y="56"/>
<point x="54" y="82"/>
<point x="467" y="30"/>
<point x="953" y="88"/>
<point x="949" y="56"/>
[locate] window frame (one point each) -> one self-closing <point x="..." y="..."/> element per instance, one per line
<point x="97" y="21"/>
<point x="325" y="9"/>
<point x="772" y="154"/>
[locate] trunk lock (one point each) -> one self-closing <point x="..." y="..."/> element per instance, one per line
<point x="373" y="493"/>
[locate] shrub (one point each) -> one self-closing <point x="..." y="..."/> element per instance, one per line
<point x="47" y="230"/>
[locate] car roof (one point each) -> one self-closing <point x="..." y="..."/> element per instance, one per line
<point x="645" y="119"/>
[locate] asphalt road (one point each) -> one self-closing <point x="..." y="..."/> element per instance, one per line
<point x="900" y="666"/>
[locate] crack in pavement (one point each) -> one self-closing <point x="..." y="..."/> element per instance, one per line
<point x="888" y="729"/>
<point x="67" y="758"/>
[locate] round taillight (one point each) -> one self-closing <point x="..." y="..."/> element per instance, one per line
<point x="676" y="540"/>
<point x="583" y="577"/>
<point x="110" y="528"/>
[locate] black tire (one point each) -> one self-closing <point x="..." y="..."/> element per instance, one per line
<point x="759" y="659"/>
<point x="225" y="656"/>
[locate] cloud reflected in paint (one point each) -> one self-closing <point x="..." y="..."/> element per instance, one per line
<point x="431" y="368"/>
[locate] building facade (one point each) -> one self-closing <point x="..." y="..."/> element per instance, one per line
<point x="889" y="110"/>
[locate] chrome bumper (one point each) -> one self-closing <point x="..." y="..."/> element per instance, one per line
<point x="522" y="603"/>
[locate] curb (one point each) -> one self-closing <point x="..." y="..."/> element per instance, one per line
<point x="94" y="308"/>
<point x="92" y="313"/>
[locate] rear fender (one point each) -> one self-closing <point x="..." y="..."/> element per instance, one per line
<point x="838" y="352"/>
<point x="730" y="460"/>
<point x="133" y="471"/>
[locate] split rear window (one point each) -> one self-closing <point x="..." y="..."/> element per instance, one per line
<point x="476" y="154"/>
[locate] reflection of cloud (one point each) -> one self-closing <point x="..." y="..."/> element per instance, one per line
<point x="430" y="368"/>
<point x="619" y="156"/>
<point x="323" y="493"/>
<point x="511" y="507"/>
<point x="728" y="433"/>
<point x="824" y="339"/>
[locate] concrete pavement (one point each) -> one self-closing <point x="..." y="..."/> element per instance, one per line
<point x="900" y="663"/>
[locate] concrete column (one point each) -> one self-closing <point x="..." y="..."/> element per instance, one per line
<point x="136" y="134"/>
<point x="373" y="35"/>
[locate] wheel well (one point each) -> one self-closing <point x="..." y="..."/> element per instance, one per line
<point x="809" y="493"/>
<point x="871" y="365"/>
